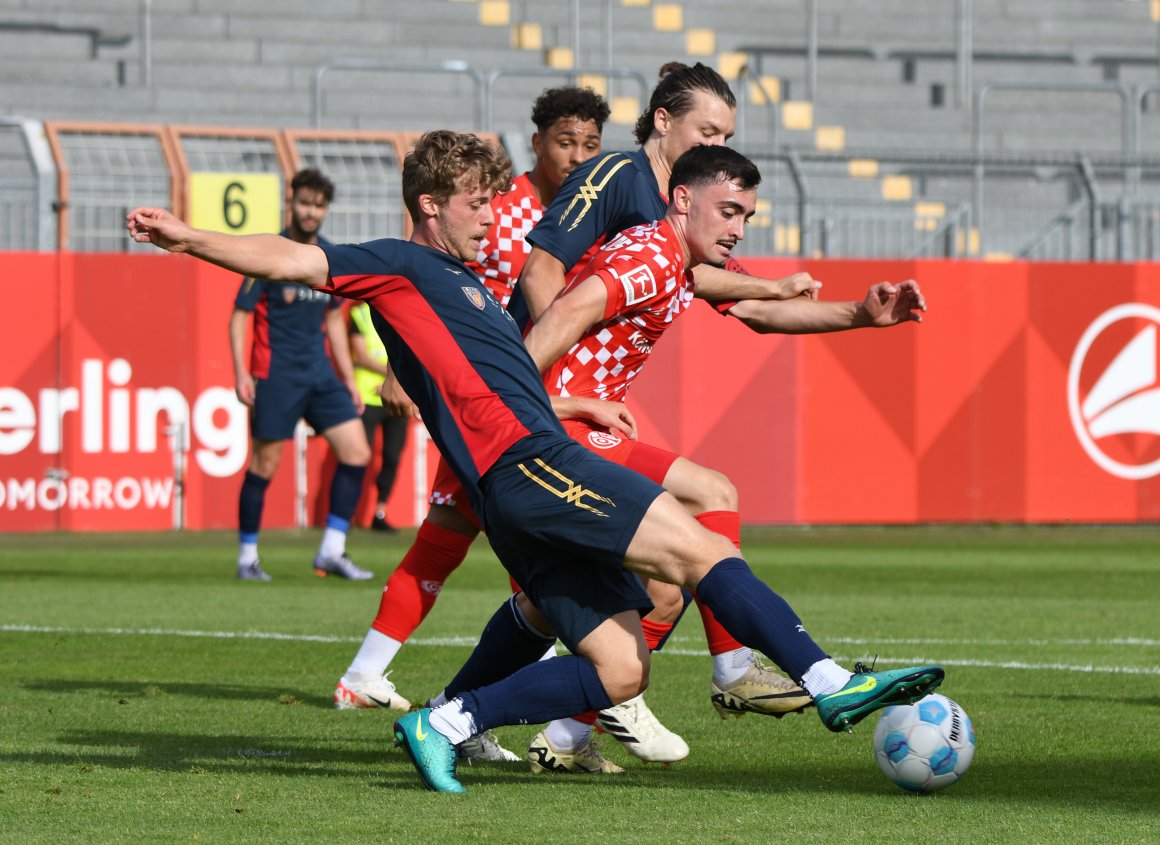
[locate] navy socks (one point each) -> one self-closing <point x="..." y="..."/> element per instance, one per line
<point x="546" y="690"/>
<point x="345" y="490"/>
<point x="250" y="503"/>
<point x="758" y="617"/>
<point x="507" y="644"/>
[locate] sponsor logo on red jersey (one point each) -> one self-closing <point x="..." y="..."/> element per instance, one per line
<point x="639" y="284"/>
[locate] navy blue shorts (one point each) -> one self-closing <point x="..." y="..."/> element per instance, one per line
<point x="279" y="404"/>
<point x="560" y="523"/>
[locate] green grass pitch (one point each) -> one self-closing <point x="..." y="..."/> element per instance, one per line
<point x="146" y="696"/>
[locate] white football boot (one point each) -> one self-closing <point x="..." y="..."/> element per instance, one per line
<point x="353" y="693"/>
<point x="635" y="727"/>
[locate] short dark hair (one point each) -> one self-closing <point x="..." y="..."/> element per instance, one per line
<point x="313" y="179"/>
<point x="442" y="156"/>
<point x="705" y="164"/>
<point x="674" y="93"/>
<point x="569" y="101"/>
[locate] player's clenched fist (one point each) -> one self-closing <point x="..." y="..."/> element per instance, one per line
<point x="799" y="284"/>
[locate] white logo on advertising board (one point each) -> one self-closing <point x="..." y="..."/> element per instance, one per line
<point x="1125" y="397"/>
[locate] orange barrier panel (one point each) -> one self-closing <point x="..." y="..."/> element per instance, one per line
<point x="1030" y="393"/>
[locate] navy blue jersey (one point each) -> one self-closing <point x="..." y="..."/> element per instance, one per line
<point x="289" y="341"/>
<point x="454" y="349"/>
<point x="601" y="198"/>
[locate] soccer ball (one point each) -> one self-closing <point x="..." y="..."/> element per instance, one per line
<point x="925" y="746"/>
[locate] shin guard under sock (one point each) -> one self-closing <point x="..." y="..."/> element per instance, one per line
<point x="758" y="617"/>
<point x="411" y="590"/>
<point x="251" y="500"/>
<point x="507" y="644"/>
<point x="345" y="490"/>
<point x="728" y="525"/>
<point x="541" y="692"/>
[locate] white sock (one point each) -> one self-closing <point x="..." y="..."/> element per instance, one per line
<point x="438" y="701"/>
<point x="333" y="543"/>
<point x="374" y="655"/>
<point x="729" y="666"/>
<point x="451" y="721"/>
<point x="549" y="653"/>
<point x="567" y="734"/>
<point x="825" y="677"/>
<point x="247" y="554"/>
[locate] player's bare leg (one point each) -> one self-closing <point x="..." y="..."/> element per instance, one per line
<point x="741" y="682"/>
<point x="670" y="546"/>
<point x="440" y="546"/>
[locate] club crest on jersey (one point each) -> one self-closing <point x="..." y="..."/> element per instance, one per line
<point x="639" y="284"/>
<point x="475" y="297"/>
<point x="603" y="440"/>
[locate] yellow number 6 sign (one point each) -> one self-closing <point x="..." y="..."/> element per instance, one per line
<point x="238" y="203"/>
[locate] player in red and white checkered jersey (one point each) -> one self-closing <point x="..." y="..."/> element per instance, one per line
<point x="595" y="339"/>
<point x="569" y="122"/>
<point x="503" y="251"/>
<point x="647" y="285"/>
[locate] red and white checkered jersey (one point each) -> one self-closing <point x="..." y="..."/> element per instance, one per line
<point x="648" y="287"/>
<point x="504" y="250"/>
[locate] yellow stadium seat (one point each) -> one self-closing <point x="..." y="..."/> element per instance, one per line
<point x="528" y="36"/>
<point x="797" y="114"/>
<point x="862" y="168"/>
<point x="700" y="42"/>
<point x="668" y="17"/>
<point x="830" y="138"/>
<point x="896" y="187"/>
<point x="495" y="12"/>
<point x="560" y="57"/>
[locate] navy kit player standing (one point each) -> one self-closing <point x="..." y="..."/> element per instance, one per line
<point x="571" y="527"/>
<point x="290" y="377"/>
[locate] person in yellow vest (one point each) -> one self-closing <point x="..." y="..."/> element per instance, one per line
<point x="370" y="369"/>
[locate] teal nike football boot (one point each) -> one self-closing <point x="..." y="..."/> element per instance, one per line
<point x="868" y="691"/>
<point x="430" y="751"/>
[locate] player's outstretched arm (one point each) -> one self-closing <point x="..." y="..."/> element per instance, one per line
<point x="885" y="304"/>
<point x="260" y="256"/>
<point x="716" y="284"/>
<point x="566" y="321"/>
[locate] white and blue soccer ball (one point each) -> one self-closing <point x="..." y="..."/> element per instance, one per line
<point x="925" y="746"/>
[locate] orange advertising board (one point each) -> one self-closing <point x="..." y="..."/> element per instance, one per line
<point x="1029" y="393"/>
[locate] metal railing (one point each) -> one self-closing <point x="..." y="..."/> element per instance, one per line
<point x="570" y="74"/>
<point x="451" y="66"/>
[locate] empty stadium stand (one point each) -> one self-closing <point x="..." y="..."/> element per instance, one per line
<point x="961" y="127"/>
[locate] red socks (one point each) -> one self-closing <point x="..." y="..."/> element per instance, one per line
<point x="415" y="584"/>
<point x="728" y="525"/>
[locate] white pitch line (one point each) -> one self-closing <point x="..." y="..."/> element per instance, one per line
<point x="676" y="652"/>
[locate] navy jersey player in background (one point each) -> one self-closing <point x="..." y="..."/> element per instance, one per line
<point x="691" y="105"/>
<point x="571" y="528"/>
<point x="290" y="377"/>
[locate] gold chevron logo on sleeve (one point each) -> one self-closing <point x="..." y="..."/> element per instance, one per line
<point x="591" y="188"/>
<point x="570" y="491"/>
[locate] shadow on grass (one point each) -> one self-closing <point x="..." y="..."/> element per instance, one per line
<point x="1102" y="700"/>
<point x="221" y="692"/>
<point x="208" y="754"/>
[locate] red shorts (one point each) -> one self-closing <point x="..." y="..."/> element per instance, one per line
<point x="650" y="461"/>
<point x="446" y="490"/>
